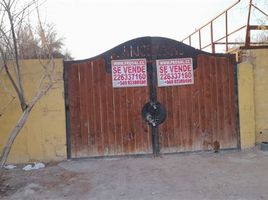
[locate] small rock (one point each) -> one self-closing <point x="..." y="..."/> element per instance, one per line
<point x="34" y="166"/>
<point x="10" y="166"/>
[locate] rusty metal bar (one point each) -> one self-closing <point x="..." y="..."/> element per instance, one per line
<point x="205" y="46"/>
<point x="190" y="41"/>
<point x="247" y="40"/>
<point x="222" y="43"/>
<point x="240" y="28"/>
<point x="200" y="41"/>
<point x="259" y="42"/>
<point x="260" y="10"/>
<point x="211" y="37"/>
<point x="258" y="27"/>
<point x="216" y="42"/>
<point x="212" y="20"/>
<point x="226" y="31"/>
<point x="255" y="47"/>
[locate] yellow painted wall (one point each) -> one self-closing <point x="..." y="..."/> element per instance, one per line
<point x="44" y="136"/>
<point x="261" y="93"/>
<point x="253" y="97"/>
<point x="246" y="105"/>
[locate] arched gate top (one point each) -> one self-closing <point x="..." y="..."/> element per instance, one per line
<point x="150" y="48"/>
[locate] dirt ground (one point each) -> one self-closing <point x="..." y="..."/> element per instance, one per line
<point x="223" y="176"/>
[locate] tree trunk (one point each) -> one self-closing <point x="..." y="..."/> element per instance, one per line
<point x="20" y="124"/>
<point x="14" y="133"/>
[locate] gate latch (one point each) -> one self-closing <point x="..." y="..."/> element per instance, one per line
<point x="154" y="113"/>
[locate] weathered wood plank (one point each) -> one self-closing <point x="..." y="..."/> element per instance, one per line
<point x="83" y="111"/>
<point x="74" y="108"/>
<point x="107" y="121"/>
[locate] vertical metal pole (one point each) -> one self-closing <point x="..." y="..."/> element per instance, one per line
<point x="66" y="67"/>
<point x="152" y="80"/>
<point x="211" y="37"/>
<point x="226" y="32"/>
<point x="247" y="40"/>
<point x="200" y="41"/>
<point x="190" y="41"/>
<point x="155" y="134"/>
<point x="152" y="75"/>
<point x="155" y="140"/>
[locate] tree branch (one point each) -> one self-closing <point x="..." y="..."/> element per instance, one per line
<point x="23" y="106"/>
<point x="17" y="67"/>
<point x="20" y="124"/>
<point x="13" y="45"/>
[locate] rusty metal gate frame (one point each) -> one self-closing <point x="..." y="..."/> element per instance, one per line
<point x="117" y="53"/>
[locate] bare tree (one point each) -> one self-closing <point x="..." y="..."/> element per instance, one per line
<point x="31" y="47"/>
<point x="27" y="42"/>
<point x="13" y="47"/>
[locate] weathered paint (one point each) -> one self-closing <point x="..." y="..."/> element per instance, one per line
<point x="253" y="97"/>
<point x="246" y="105"/>
<point x="203" y="115"/>
<point x="107" y="121"/>
<point x="104" y="120"/>
<point x="260" y="67"/>
<point x="44" y="136"/>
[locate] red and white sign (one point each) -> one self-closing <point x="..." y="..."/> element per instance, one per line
<point x="129" y="73"/>
<point x="172" y="72"/>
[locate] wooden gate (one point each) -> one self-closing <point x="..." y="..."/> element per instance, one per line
<point x="104" y="121"/>
<point x="201" y="116"/>
<point x="107" y="121"/>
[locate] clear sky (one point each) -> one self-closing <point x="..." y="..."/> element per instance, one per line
<point x="91" y="27"/>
